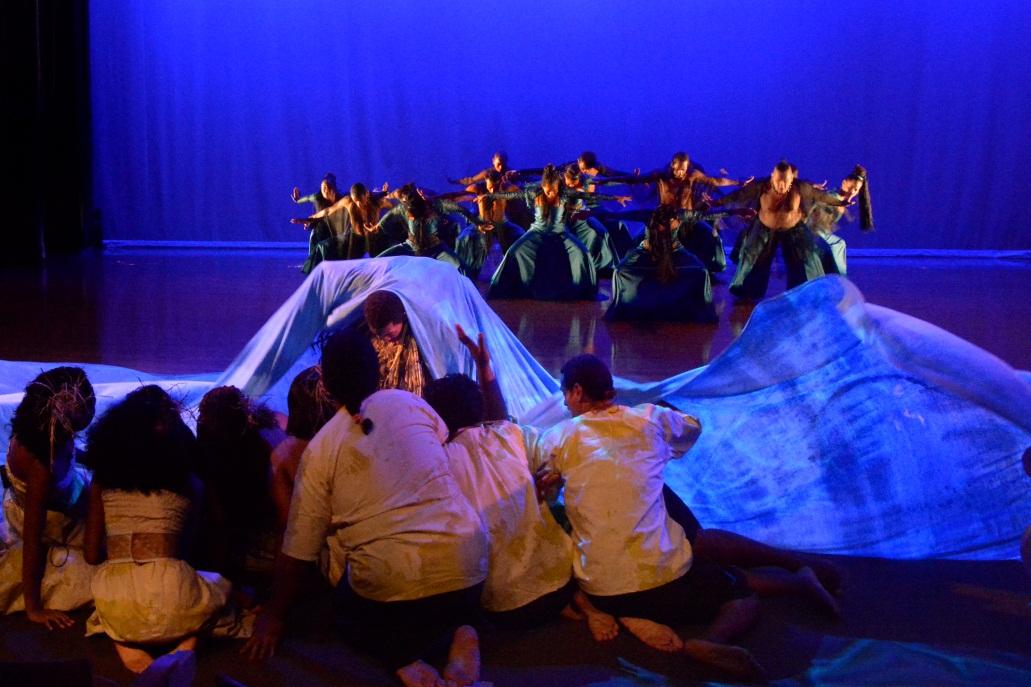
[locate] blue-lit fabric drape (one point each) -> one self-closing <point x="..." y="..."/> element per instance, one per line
<point x="829" y="425"/>
<point x="206" y="114"/>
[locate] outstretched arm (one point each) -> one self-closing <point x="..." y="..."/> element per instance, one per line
<point x="493" y="401"/>
<point x="448" y="206"/>
<point x="746" y="195"/>
<point x="700" y="177"/>
<point x="593" y="198"/>
<point x="338" y="206"/>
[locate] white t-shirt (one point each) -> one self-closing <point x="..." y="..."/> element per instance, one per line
<point x="386" y="504"/>
<point x="612" y="461"/>
<point x="530" y="554"/>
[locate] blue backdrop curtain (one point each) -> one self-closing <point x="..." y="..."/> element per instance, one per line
<point x="206" y="113"/>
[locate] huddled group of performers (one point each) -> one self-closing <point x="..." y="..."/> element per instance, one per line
<point x="558" y="233"/>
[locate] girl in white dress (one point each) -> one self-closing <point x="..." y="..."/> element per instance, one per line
<point x="143" y="505"/>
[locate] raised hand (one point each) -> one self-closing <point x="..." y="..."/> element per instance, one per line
<point x="477" y="349"/>
<point x="385" y="187"/>
<point x="750" y="179"/>
<point x="295" y="195"/>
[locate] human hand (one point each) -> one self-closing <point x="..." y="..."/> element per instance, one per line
<point x="385" y="187"/>
<point x="301" y="220"/>
<point x="51" y="619"/>
<point x="477" y="349"/>
<point x="750" y="179"/>
<point x="371" y="228"/>
<point x="822" y="185"/>
<point x="268" y="631"/>
<point x="295" y="195"/>
<point x="548" y="483"/>
<point x="623" y="200"/>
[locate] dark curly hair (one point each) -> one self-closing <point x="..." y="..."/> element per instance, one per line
<point x="308" y="404"/>
<point x="142" y="444"/>
<point x="350" y="368"/>
<point x="57" y="404"/>
<point x="457" y="399"/>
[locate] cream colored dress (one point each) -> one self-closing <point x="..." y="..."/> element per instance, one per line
<point x="152" y="600"/>
<point x="66" y="577"/>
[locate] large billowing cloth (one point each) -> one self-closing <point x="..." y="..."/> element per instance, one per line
<point x="830" y="424"/>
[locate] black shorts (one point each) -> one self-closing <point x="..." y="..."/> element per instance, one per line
<point x="539" y="611"/>
<point x="694" y="597"/>
<point x="680" y="513"/>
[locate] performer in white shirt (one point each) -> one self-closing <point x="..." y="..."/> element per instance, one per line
<point x="632" y="558"/>
<point x="529" y="577"/>
<point x="407" y="554"/>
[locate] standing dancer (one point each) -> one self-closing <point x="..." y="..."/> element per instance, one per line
<point x="424" y="216"/>
<point x="362" y="209"/>
<point x="328" y="238"/>
<point x="678" y="185"/>
<point x="473" y="244"/>
<point x="823" y="219"/>
<point x="782" y="201"/>
<point x="548" y="262"/>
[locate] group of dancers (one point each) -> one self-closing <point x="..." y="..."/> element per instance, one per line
<point x="429" y="511"/>
<point x="557" y="232"/>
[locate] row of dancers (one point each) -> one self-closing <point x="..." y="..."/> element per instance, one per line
<point x="558" y="232"/>
<point x="430" y="512"/>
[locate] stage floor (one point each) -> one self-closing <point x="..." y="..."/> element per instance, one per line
<point x="189" y="311"/>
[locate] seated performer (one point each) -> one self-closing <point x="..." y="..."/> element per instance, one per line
<point x="309" y="407"/>
<point x="144" y="508"/>
<point x="407" y="554"/>
<point x="631" y="559"/>
<point x="588" y="229"/>
<point x="530" y="556"/>
<point x="548" y="262"/>
<point x="42" y="568"/>
<point x="659" y="280"/>
<point x="424" y="217"/>
<point x="782" y="202"/>
<point x="824" y="219"/>
<point x="328" y="238"/>
<point x="474" y="243"/>
<point x="517" y="210"/>
<point x="236" y="438"/>
<point x="679" y="186"/>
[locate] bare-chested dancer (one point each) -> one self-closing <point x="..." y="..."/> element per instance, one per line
<point x="678" y="186"/>
<point x="474" y="243"/>
<point x="326" y="240"/>
<point x="363" y="209"/>
<point x="782" y="201"/>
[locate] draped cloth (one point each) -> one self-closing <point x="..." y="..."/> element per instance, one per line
<point x="830" y="424"/>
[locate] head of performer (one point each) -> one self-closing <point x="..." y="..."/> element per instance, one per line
<point x="57" y="404"/>
<point x="783" y="176"/>
<point x="857" y="184"/>
<point x="571" y="177"/>
<point x="309" y="405"/>
<point x="492" y="181"/>
<point x="359" y="194"/>
<point x="499" y="162"/>
<point x="142" y="444"/>
<point x="458" y="401"/>
<point x="413" y="202"/>
<point x="551" y="183"/>
<point x="587" y="384"/>
<point x="350" y="370"/>
<point x="328" y="188"/>
<point x="661" y="226"/>
<point x="679" y="165"/>
<point x="385" y="315"/>
<point x="587" y="160"/>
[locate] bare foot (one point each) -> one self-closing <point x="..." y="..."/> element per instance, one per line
<point x="817" y="592"/>
<point x="463" y="660"/>
<point x="136" y="660"/>
<point x="603" y="626"/>
<point x="570" y="613"/>
<point x="419" y="674"/>
<point x="732" y="661"/>
<point x="655" y="635"/>
<point x="830" y="575"/>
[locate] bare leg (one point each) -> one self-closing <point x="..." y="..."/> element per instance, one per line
<point x="463" y="660"/>
<point x="188" y="644"/>
<point x="136" y="660"/>
<point x="603" y="626"/>
<point x="419" y="674"/>
<point x="655" y="635"/>
<point x="728" y="548"/>
<point x="733" y="618"/>
<point x="780" y="582"/>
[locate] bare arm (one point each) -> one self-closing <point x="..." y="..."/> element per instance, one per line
<point x="719" y="181"/>
<point x="95" y="530"/>
<point x="494" y="407"/>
